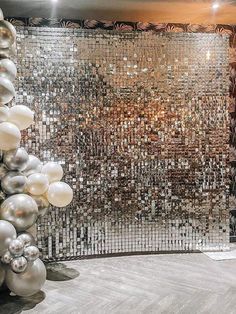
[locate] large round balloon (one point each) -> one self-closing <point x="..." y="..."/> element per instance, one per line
<point x="37" y="184"/>
<point x="16" y="159"/>
<point x="7" y="234"/>
<point x="21" y="210"/>
<point x="21" y="116"/>
<point x="9" y="136"/>
<point x="53" y="171"/>
<point x="7" y="34"/>
<point x="2" y="275"/>
<point x="7" y="69"/>
<point x="14" y="182"/>
<point x="42" y="203"/>
<point x="59" y="194"/>
<point x="7" y="90"/>
<point x="34" y="165"/>
<point x="4" y="113"/>
<point x="29" y="282"/>
<point x="27" y="238"/>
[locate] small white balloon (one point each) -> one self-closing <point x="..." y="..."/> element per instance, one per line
<point x="59" y="194"/>
<point x="4" y="113"/>
<point x="7" y="34"/>
<point x="9" y="136"/>
<point x="37" y="184"/>
<point x="21" y="116"/>
<point x="7" y="90"/>
<point x="53" y="171"/>
<point x="34" y="165"/>
<point x="1" y="18"/>
<point x="7" y="69"/>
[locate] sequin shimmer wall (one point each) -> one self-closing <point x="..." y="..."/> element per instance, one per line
<point x="140" y="122"/>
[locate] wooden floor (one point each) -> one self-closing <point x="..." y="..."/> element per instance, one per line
<point x="179" y="283"/>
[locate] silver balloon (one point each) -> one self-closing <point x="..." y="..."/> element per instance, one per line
<point x="29" y="282"/>
<point x="31" y="253"/>
<point x="19" y="264"/>
<point x="27" y="238"/>
<point x="2" y="275"/>
<point x="34" y="165"/>
<point x="7" y="69"/>
<point x="4" y="113"/>
<point x="7" y="234"/>
<point x="16" y="159"/>
<point x="7" y="90"/>
<point x="1" y="153"/>
<point x="8" y="52"/>
<point x="7" y="34"/>
<point x="2" y="197"/>
<point x="14" y="182"/>
<point x="3" y="171"/>
<point x="6" y="258"/>
<point x="21" y="210"/>
<point x="43" y="204"/>
<point x="16" y="247"/>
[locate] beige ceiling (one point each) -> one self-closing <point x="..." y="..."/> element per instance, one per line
<point x="180" y="11"/>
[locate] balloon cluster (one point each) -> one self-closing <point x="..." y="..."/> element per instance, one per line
<point x="27" y="187"/>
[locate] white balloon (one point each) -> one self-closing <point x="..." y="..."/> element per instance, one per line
<point x="53" y="171"/>
<point x="21" y="116"/>
<point x="1" y="18"/>
<point x="9" y="136"/>
<point x="7" y="90"/>
<point x="4" y="113"/>
<point x="7" y="69"/>
<point x="37" y="184"/>
<point x="34" y="165"/>
<point x="59" y="194"/>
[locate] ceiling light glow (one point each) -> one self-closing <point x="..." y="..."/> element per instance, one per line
<point x="215" y="6"/>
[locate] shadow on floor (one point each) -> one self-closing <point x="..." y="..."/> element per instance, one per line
<point x="15" y="305"/>
<point x="60" y="272"/>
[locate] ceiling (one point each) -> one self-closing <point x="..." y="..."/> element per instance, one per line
<point x="178" y="11"/>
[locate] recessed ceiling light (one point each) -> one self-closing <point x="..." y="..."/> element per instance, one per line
<point x="215" y="6"/>
<point x="54" y="0"/>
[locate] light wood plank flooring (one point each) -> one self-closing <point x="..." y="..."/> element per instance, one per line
<point x="178" y="283"/>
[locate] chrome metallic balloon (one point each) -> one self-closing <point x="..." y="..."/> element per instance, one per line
<point x="4" y="113"/>
<point x="1" y="152"/>
<point x="19" y="264"/>
<point x="14" y="182"/>
<point x="16" y="247"/>
<point x="7" y="34"/>
<point x="7" y="90"/>
<point x="27" y="238"/>
<point x="7" y="234"/>
<point x="6" y="258"/>
<point x="3" y="170"/>
<point x="34" y="165"/>
<point x="8" y="52"/>
<point x="21" y="210"/>
<point x="29" y="282"/>
<point x="43" y="204"/>
<point x="16" y="159"/>
<point x="31" y="253"/>
<point x="2" y="275"/>
<point x="7" y="69"/>
<point x="2" y="197"/>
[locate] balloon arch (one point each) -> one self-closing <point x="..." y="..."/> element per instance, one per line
<point x="27" y="186"/>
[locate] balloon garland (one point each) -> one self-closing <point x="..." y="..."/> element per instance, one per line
<point x="27" y="186"/>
